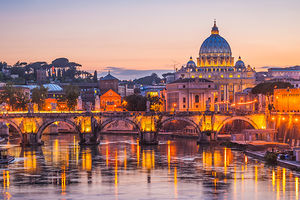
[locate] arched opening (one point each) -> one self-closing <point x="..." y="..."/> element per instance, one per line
<point x="235" y="126"/>
<point x="10" y="132"/>
<point x="120" y="126"/>
<point x="179" y="126"/>
<point x="65" y="130"/>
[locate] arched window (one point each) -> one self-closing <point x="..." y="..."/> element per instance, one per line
<point x="197" y="99"/>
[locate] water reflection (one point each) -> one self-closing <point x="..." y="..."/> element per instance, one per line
<point x="120" y="167"/>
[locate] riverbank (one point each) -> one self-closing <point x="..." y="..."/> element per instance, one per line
<point x="258" y="149"/>
<point x="293" y="165"/>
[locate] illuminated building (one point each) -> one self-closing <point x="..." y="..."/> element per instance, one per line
<point x="216" y="63"/>
<point x="110" y="101"/>
<point x="286" y="100"/>
<point x="288" y="72"/>
<point x="245" y="101"/>
<point x="190" y="94"/>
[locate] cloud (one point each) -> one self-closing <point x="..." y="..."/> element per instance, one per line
<point x="126" y="74"/>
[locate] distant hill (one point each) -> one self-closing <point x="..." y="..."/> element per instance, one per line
<point x="148" y="80"/>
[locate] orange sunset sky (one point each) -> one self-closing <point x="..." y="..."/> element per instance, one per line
<point x="147" y="35"/>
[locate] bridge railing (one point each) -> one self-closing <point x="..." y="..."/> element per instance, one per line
<point x="51" y="114"/>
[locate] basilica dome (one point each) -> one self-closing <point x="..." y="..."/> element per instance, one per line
<point x="215" y="45"/>
<point x="191" y="65"/>
<point x="240" y="65"/>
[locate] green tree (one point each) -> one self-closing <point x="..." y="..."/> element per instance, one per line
<point x="39" y="95"/>
<point x="267" y="89"/>
<point x="71" y="96"/>
<point x="14" y="97"/>
<point x="135" y="103"/>
<point x="156" y="103"/>
<point x="22" y="101"/>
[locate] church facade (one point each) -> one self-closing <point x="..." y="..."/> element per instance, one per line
<point x="216" y="63"/>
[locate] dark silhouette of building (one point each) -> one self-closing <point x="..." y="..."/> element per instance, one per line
<point x="108" y="82"/>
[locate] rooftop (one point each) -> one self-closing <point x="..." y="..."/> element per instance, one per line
<point x="51" y="87"/>
<point x="185" y="80"/>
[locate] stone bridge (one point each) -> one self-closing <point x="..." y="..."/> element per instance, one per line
<point x="88" y="125"/>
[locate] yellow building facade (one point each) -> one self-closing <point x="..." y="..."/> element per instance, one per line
<point x="287" y="100"/>
<point x="110" y="101"/>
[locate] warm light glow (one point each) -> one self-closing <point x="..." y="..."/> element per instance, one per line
<point x="138" y="152"/>
<point x="169" y="155"/>
<point x="63" y="180"/>
<point x="125" y="159"/>
<point x="106" y="155"/>
<point x="273" y="178"/>
<point x="175" y="182"/>
<point x="297" y="187"/>
<point x="283" y="180"/>
<point x="6" y="179"/>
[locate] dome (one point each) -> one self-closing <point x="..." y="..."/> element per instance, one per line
<point x="240" y="65"/>
<point x="191" y="65"/>
<point x="215" y="44"/>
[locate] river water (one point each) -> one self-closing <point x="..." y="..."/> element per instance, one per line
<point x="119" y="168"/>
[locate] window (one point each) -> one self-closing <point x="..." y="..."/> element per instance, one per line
<point x="183" y="106"/>
<point x="208" y="86"/>
<point x="230" y="76"/>
<point x="222" y="76"/>
<point x="183" y="86"/>
<point x="209" y="76"/>
<point x="200" y="76"/>
<point x="197" y="99"/>
<point x="183" y="100"/>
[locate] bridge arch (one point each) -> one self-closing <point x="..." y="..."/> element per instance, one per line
<point x="196" y="126"/>
<point x="230" y="119"/>
<point x="110" y="120"/>
<point x="49" y="122"/>
<point x="11" y="122"/>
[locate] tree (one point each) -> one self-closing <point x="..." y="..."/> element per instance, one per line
<point x="71" y="96"/>
<point x="135" y="103"/>
<point x="267" y="89"/>
<point x="156" y="103"/>
<point x="39" y="95"/>
<point x="22" y="101"/>
<point x="14" y="97"/>
<point x="95" y="78"/>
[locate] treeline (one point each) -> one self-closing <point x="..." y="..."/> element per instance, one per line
<point x="60" y="69"/>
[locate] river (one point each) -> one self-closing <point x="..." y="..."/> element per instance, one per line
<point x="119" y="168"/>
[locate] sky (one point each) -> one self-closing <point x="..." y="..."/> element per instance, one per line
<point x="147" y="35"/>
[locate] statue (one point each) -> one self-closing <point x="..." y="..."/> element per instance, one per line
<point x="207" y="103"/>
<point x="79" y="103"/>
<point x="148" y="106"/>
<point x="97" y="103"/>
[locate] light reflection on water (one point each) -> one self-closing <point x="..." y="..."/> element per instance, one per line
<point x="120" y="168"/>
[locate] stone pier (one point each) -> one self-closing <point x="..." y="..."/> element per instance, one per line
<point x="31" y="139"/>
<point x="148" y="138"/>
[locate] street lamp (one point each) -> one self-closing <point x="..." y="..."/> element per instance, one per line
<point x="174" y="105"/>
